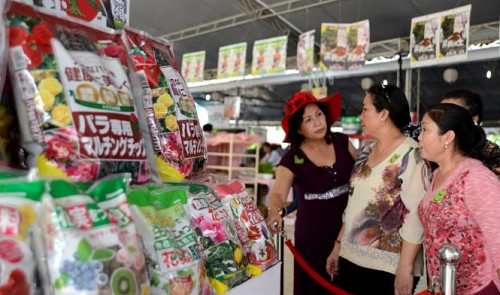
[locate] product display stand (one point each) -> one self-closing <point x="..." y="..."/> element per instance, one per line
<point x="226" y="152"/>
<point x="267" y="283"/>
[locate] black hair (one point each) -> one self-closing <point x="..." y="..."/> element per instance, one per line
<point x="469" y="138"/>
<point x="471" y="100"/>
<point x="393" y="99"/>
<point x="208" y="127"/>
<point x="296" y="120"/>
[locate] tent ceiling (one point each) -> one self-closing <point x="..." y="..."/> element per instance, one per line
<point x="194" y="25"/>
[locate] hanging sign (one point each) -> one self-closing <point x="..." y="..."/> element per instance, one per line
<point x="232" y="61"/>
<point x="344" y="46"/>
<point x="440" y="37"/>
<point x="269" y="56"/>
<point x="305" y="52"/>
<point x="193" y="66"/>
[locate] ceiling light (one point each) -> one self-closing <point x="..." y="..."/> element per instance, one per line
<point x="385" y="82"/>
<point x="207" y="97"/>
<point x="488" y="74"/>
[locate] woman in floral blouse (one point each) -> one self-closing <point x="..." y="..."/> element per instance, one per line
<point x="461" y="206"/>
<point x="380" y="242"/>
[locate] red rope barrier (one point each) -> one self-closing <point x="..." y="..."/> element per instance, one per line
<point x="319" y="279"/>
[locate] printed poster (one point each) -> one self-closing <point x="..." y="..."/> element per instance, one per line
<point x="305" y="52"/>
<point x="344" y="46"/>
<point x="193" y="66"/>
<point x="232" y="107"/>
<point x="440" y="37"/>
<point x="454" y="37"/>
<point x="269" y="56"/>
<point x="101" y="13"/>
<point x="423" y="40"/>
<point x="232" y="61"/>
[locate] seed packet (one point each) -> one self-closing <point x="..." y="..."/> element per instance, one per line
<point x="110" y="195"/>
<point x="19" y="211"/>
<point x="74" y="98"/>
<point x="166" y="110"/>
<point x="173" y="257"/>
<point x="82" y="247"/>
<point x="226" y="260"/>
<point x="250" y="225"/>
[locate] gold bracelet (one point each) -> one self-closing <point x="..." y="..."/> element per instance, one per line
<point x="281" y="211"/>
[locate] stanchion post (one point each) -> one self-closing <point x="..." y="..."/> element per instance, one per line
<point x="448" y="255"/>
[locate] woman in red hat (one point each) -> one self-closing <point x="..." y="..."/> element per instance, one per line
<point x="380" y="243"/>
<point x="319" y="164"/>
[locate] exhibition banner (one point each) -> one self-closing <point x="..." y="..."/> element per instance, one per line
<point x="193" y="66"/>
<point x="269" y="56"/>
<point x="232" y="61"/>
<point x="440" y="37"/>
<point x="305" y="52"/>
<point x="344" y="46"/>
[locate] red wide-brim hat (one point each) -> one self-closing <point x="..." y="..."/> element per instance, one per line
<point x="300" y="99"/>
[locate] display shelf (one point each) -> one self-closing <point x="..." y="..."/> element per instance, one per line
<point x="225" y="152"/>
<point x="267" y="283"/>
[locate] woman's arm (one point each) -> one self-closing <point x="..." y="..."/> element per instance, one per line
<point x="332" y="262"/>
<point x="403" y="284"/>
<point x="277" y="196"/>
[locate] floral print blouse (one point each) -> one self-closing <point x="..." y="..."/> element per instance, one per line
<point x="464" y="211"/>
<point x="382" y="208"/>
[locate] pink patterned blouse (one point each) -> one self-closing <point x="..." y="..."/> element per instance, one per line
<point x="465" y="211"/>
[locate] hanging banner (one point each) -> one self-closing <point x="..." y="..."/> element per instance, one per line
<point x="269" y="56"/>
<point x="454" y="38"/>
<point x="232" y="107"/>
<point x="358" y="39"/>
<point x="101" y="13"/>
<point x="423" y="40"/>
<point x="305" y="52"/>
<point x="344" y="46"/>
<point x="193" y="66"/>
<point x="232" y="61"/>
<point x="440" y="37"/>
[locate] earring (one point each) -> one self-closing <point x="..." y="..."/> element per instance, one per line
<point x="445" y="145"/>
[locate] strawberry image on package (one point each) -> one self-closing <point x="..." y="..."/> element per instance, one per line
<point x="74" y="98"/>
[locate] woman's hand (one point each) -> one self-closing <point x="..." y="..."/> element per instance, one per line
<point x="274" y="221"/>
<point x="403" y="284"/>
<point x="332" y="262"/>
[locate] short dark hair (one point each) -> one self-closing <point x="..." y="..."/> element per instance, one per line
<point x="208" y="127"/>
<point x="471" y="100"/>
<point x="469" y="138"/>
<point x="394" y="100"/>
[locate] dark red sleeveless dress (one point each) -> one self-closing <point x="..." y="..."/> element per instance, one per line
<point x="322" y="193"/>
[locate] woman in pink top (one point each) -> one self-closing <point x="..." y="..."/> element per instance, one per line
<point x="462" y="205"/>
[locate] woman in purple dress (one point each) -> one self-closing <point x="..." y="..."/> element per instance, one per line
<point x="319" y="164"/>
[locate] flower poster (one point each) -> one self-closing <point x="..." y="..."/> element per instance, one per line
<point x="232" y="106"/>
<point x="423" y="40"/>
<point x="358" y="39"/>
<point x="344" y="46"/>
<point x="193" y="66"/>
<point x="269" y="56"/>
<point x="442" y="36"/>
<point x="305" y="52"/>
<point x="232" y="61"/>
<point x="454" y="37"/>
